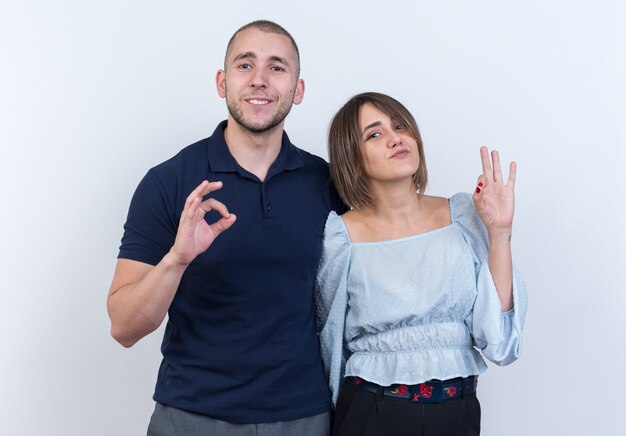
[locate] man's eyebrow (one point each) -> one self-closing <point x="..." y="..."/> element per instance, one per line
<point x="245" y="55"/>
<point x="279" y="59"/>
<point x="253" y="55"/>
<point x="374" y="124"/>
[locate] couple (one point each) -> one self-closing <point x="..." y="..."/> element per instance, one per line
<point x="407" y="288"/>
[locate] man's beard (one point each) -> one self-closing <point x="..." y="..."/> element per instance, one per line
<point x="259" y="127"/>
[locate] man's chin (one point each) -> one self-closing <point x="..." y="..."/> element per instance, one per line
<point x="255" y="125"/>
<point x="259" y="126"/>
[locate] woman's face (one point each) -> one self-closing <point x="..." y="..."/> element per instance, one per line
<point x="389" y="152"/>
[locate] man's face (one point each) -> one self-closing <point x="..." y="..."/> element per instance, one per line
<point x="260" y="83"/>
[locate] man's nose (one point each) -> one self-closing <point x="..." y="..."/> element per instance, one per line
<point x="259" y="78"/>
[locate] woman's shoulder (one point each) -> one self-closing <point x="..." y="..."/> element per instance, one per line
<point x="358" y="225"/>
<point x="437" y="211"/>
<point x="462" y="207"/>
<point x="336" y="247"/>
<point x="436" y="204"/>
<point x="464" y="215"/>
<point x="335" y="231"/>
<point x="351" y="217"/>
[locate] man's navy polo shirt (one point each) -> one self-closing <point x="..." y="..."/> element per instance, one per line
<point x="240" y="343"/>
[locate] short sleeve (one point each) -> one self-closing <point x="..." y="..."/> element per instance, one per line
<point x="497" y="334"/>
<point x="151" y="224"/>
<point x="331" y="298"/>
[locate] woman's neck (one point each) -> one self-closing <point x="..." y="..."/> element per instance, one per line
<point x="396" y="212"/>
<point x="394" y="202"/>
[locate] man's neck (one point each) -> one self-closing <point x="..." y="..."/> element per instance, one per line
<point x="255" y="152"/>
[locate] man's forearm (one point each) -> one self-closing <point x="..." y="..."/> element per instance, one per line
<point x="139" y="304"/>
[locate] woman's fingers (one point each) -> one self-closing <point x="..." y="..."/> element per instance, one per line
<point x="512" y="174"/>
<point x="480" y="184"/>
<point x="484" y="157"/>
<point x="492" y="169"/>
<point x="497" y="171"/>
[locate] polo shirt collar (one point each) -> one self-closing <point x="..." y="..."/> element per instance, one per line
<point x="221" y="161"/>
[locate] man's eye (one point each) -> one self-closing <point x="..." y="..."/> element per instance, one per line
<point x="278" y="69"/>
<point x="244" y="66"/>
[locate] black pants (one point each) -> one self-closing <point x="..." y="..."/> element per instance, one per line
<point x="363" y="413"/>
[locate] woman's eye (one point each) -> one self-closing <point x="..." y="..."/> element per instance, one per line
<point x="399" y="126"/>
<point x="373" y="135"/>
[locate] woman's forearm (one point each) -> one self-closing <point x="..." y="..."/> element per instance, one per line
<point x="501" y="265"/>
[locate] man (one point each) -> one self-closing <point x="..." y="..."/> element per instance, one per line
<point x="240" y="352"/>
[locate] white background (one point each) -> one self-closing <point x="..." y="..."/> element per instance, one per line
<point x="92" y="94"/>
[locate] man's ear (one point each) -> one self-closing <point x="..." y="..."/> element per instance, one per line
<point x="299" y="94"/>
<point x="220" y="83"/>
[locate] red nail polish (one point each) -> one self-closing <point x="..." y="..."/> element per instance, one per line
<point x="478" y="190"/>
<point x="480" y="184"/>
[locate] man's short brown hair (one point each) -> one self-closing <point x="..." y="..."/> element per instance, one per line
<point x="267" y="27"/>
<point x="347" y="166"/>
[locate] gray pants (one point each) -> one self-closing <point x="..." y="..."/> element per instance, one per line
<point x="169" y="421"/>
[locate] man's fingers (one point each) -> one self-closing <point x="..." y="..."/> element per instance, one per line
<point x="202" y="189"/>
<point x="213" y="186"/>
<point x="191" y="208"/>
<point x="223" y="224"/>
<point x="213" y="204"/>
<point x="196" y="192"/>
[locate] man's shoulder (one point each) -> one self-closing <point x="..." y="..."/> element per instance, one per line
<point x="311" y="160"/>
<point x="193" y="155"/>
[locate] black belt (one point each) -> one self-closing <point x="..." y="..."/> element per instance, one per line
<point x="432" y="391"/>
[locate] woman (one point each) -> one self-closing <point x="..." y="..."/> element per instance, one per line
<point x="410" y="286"/>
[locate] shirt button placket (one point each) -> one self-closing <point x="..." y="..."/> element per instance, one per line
<point x="267" y="206"/>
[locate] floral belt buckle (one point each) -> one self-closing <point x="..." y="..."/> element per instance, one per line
<point x="427" y="393"/>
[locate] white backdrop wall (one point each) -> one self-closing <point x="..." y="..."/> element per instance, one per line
<point x="92" y="94"/>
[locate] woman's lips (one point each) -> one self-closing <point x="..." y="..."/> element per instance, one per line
<point x="400" y="154"/>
